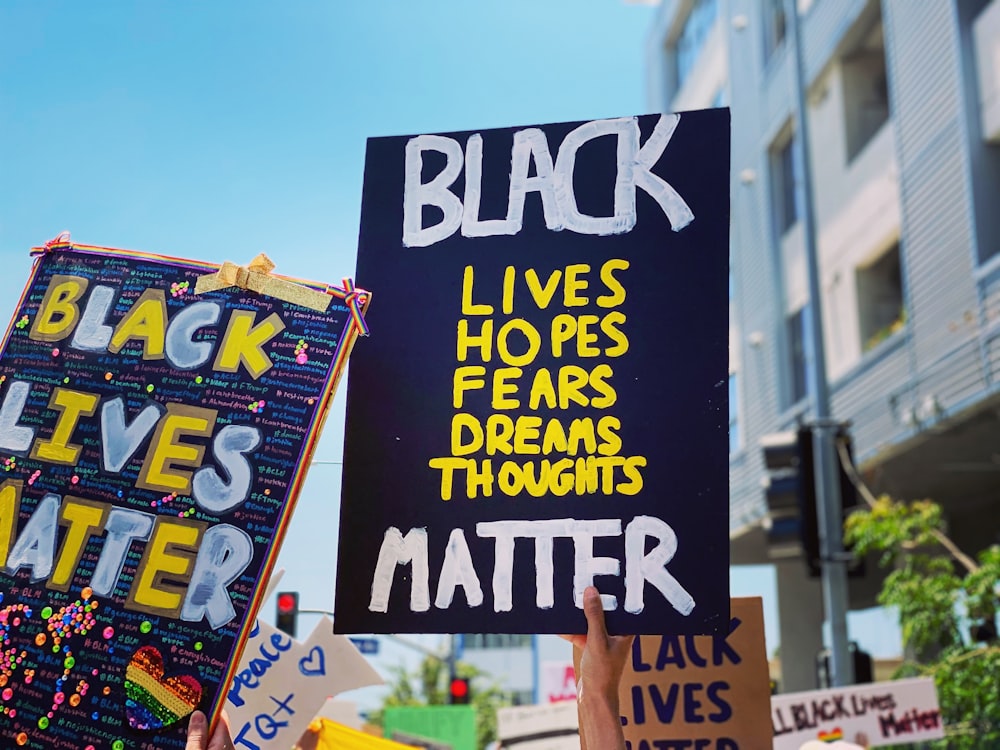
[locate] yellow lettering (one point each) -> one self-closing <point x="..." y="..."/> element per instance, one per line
<point x="466" y="378"/>
<point x="617" y="291"/>
<point x="607" y="396"/>
<point x="82" y="519"/>
<point x="508" y="290"/>
<point x="607" y="465"/>
<point x="146" y="320"/>
<point x="244" y="341"/>
<point x="58" y="314"/>
<point x="609" y="325"/>
<point x="542" y="387"/>
<point x="631" y="469"/>
<point x="607" y="429"/>
<point x="563" y="329"/>
<point x="542" y="294"/>
<point x="459" y="423"/>
<point x="584" y="338"/>
<point x="554" y="438"/>
<point x="572" y="380"/>
<point x="448" y="466"/>
<point x="474" y="479"/>
<point x="581" y="431"/>
<point x="71" y="405"/>
<point x="502" y="389"/>
<point x="587" y="477"/>
<point x="527" y="429"/>
<point x="468" y="306"/>
<point x="561" y="477"/>
<point x="484" y="341"/>
<point x="166" y="566"/>
<point x="166" y="453"/>
<point x="499" y="431"/>
<point x="510" y="479"/>
<point x="529" y="333"/>
<point x="574" y="284"/>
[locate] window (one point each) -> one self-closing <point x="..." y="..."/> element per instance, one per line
<point x="496" y="640"/>
<point x="692" y="37"/>
<point x="734" y="413"/>
<point x="799" y="361"/>
<point x="774" y="26"/>
<point x="866" y="91"/>
<point x="783" y="185"/>
<point x="880" y="299"/>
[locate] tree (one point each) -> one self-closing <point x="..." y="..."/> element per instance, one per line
<point x="947" y="603"/>
<point x="428" y="686"/>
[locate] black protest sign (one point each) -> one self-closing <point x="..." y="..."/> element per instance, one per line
<point x="543" y="404"/>
<point x="156" y="421"/>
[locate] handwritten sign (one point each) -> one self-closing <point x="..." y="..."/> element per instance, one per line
<point x="557" y="681"/>
<point x="554" y="726"/>
<point x="886" y="713"/>
<point x="710" y="693"/>
<point x="153" y="443"/>
<point x="545" y="403"/>
<point x="282" y="684"/>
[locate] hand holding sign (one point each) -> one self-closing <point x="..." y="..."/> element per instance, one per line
<point x="198" y="737"/>
<point x="600" y="660"/>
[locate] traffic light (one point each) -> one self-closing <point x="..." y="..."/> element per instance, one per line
<point x="792" y="524"/>
<point x="458" y="691"/>
<point x="288" y="611"/>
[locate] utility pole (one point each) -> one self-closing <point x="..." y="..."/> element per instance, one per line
<point x="829" y="505"/>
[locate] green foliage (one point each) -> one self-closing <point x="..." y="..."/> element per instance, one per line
<point x="938" y="592"/>
<point x="428" y="686"/>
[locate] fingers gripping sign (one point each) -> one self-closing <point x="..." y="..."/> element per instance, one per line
<point x="198" y="735"/>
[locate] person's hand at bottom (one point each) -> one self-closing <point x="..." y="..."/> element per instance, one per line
<point x="198" y="739"/>
<point x="601" y="658"/>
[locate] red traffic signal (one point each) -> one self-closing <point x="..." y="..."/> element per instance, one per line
<point x="288" y="612"/>
<point x="458" y="691"/>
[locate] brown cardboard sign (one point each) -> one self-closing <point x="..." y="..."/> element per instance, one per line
<point x="700" y="692"/>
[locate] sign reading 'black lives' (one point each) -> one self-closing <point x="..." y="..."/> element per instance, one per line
<point x="542" y="404"/>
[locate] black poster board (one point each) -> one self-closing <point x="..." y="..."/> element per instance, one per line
<point x="553" y="315"/>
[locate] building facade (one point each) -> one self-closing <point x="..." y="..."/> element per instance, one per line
<point x="903" y="113"/>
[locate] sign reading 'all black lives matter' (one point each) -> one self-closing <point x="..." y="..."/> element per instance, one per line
<point x="542" y="404"/>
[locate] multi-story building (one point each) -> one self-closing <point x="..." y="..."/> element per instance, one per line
<point x="903" y="115"/>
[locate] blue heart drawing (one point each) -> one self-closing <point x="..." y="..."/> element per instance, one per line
<point x="314" y="663"/>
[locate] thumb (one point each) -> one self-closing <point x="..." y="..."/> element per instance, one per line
<point x="594" y="611"/>
<point x="197" y="737"/>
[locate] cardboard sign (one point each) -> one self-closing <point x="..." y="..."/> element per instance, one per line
<point x="282" y="684"/>
<point x="153" y="439"/>
<point x="557" y="682"/>
<point x="547" y="727"/>
<point x="544" y="404"/>
<point x="454" y="725"/>
<point x="885" y="713"/>
<point x="712" y="693"/>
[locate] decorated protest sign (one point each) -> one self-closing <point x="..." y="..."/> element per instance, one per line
<point x="281" y="684"/>
<point x="554" y="726"/>
<point x="157" y="417"/>
<point x="705" y="692"/>
<point x="545" y="403"/>
<point x="556" y="681"/>
<point x="882" y="714"/>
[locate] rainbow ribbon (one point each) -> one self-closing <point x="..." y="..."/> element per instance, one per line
<point x="60" y="240"/>
<point x="355" y="299"/>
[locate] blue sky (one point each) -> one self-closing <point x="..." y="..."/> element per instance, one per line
<point x="223" y="129"/>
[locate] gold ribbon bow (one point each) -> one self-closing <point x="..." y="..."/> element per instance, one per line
<point x="256" y="277"/>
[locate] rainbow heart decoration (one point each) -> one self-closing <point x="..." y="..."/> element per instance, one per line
<point x="832" y="736"/>
<point x="154" y="701"/>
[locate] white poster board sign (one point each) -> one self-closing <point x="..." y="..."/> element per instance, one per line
<point x="886" y="713"/>
<point x="554" y="726"/>
<point x="557" y="681"/>
<point x="282" y="684"/>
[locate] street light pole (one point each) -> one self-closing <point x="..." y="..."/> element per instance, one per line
<point x="829" y="511"/>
